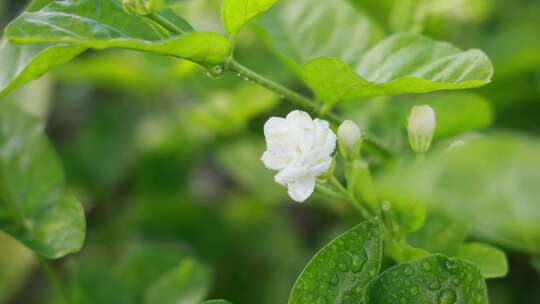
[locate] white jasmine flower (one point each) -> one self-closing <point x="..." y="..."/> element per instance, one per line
<point x="300" y="149"/>
<point x="421" y="126"/>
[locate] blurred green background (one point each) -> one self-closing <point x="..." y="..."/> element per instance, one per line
<point x="166" y="159"/>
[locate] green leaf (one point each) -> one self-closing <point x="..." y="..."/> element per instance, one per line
<point x="102" y="24"/>
<point x="402" y="63"/>
<point x="23" y="63"/>
<point x="435" y="279"/>
<point x="441" y="234"/>
<point x="216" y="302"/>
<point x="33" y="206"/>
<point x="236" y="13"/>
<point x="187" y="284"/>
<point x="137" y="274"/>
<point x="491" y="260"/>
<point x="489" y="183"/>
<point x="298" y="31"/>
<point x="341" y="270"/>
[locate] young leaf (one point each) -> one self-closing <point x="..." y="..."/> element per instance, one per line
<point x="435" y="279"/>
<point x="33" y="206"/>
<point x="102" y="24"/>
<point x="341" y="270"/>
<point x="402" y="63"/>
<point x="236" y="13"/>
<point x="298" y="31"/>
<point x="23" y="63"/>
<point x="187" y="284"/>
<point x="492" y="261"/>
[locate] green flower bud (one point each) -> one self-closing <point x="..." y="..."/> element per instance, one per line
<point x="139" y="7"/>
<point x="421" y="126"/>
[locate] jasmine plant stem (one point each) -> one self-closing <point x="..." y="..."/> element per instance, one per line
<point x="295" y="98"/>
<point x="169" y="26"/>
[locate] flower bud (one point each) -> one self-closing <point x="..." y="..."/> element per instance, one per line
<point x="139" y="7"/>
<point x="421" y="126"/>
<point x="350" y="139"/>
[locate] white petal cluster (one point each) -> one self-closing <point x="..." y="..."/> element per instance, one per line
<point x="300" y="149"/>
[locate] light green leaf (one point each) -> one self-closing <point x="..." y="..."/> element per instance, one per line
<point x="23" y="63"/>
<point x="236" y="13"/>
<point x="402" y="63"/>
<point x="102" y="24"/>
<point x="435" y="279"/>
<point x="33" y="206"/>
<point x="489" y="183"/>
<point x="441" y="234"/>
<point x="491" y="260"/>
<point x="187" y="284"/>
<point x="341" y="270"/>
<point x="298" y="31"/>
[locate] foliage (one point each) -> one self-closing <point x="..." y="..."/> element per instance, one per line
<point x="140" y="151"/>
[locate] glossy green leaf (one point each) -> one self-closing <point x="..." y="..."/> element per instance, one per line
<point x="33" y="206"/>
<point x="341" y="270"/>
<point x="298" y="31"/>
<point x="435" y="279"/>
<point x="103" y="24"/>
<point x="236" y="13"/>
<point x="402" y="63"/>
<point x="489" y="183"/>
<point x="491" y="260"/>
<point x="187" y="284"/>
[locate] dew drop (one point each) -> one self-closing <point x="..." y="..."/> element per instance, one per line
<point x="427" y="266"/>
<point x="413" y="290"/>
<point x="408" y="271"/>
<point x="215" y="71"/>
<point x="403" y="301"/>
<point x="334" y="280"/>
<point x="343" y="267"/>
<point x="450" y="264"/>
<point x="434" y="285"/>
<point x="447" y="296"/>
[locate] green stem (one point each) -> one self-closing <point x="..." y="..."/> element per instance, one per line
<point x="169" y="26"/>
<point x="53" y="278"/>
<point x="295" y="98"/>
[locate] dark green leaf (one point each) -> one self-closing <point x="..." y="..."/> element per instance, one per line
<point x="187" y="284"/>
<point x="298" y="31"/>
<point x="341" y="270"/>
<point x="103" y="24"/>
<point x="236" y="13"/>
<point x="492" y="261"/>
<point x="536" y="264"/>
<point x="33" y="206"/>
<point x="402" y="63"/>
<point x="489" y="183"/>
<point x="216" y="302"/>
<point x="435" y="279"/>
